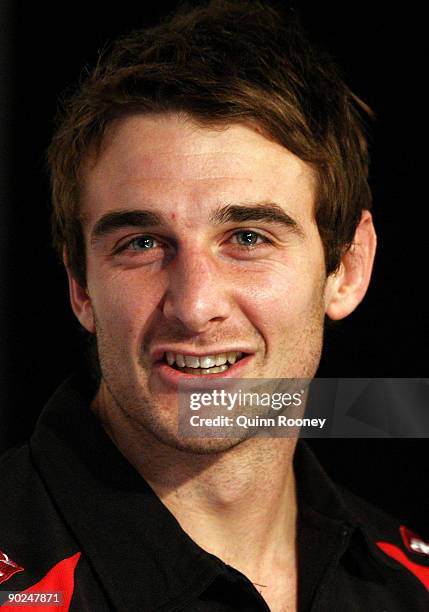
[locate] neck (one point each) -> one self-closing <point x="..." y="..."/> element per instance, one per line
<point x="238" y="504"/>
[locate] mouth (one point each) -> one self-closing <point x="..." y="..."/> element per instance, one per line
<point x="202" y="365"/>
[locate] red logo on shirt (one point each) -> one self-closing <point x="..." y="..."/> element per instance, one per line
<point x="413" y="542"/>
<point x="8" y="567"/>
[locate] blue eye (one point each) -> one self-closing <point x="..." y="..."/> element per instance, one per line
<point x="142" y="243"/>
<point x="247" y="238"/>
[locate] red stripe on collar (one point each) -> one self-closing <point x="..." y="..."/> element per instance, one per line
<point x="60" y="578"/>
<point x="421" y="572"/>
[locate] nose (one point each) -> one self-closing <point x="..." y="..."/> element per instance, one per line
<point x="197" y="295"/>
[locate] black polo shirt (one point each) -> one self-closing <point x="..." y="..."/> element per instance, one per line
<point x="77" y="518"/>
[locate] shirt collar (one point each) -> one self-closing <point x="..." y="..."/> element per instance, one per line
<point x="129" y="536"/>
<point x="328" y="508"/>
<point x="115" y="517"/>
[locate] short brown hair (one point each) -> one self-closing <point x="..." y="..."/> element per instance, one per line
<point x="222" y="62"/>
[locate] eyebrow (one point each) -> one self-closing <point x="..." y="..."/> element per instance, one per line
<point x="261" y="211"/>
<point x="113" y="221"/>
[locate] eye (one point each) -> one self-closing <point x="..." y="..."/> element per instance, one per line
<point x="249" y="238"/>
<point x="142" y="250"/>
<point x="141" y="243"/>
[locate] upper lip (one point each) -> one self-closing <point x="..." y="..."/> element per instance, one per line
<point x="158" y="354"/>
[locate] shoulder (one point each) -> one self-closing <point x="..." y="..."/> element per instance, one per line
<point x="32" y="533"/>
<point x="379" y="560"/>
<point x="26" y="508"/>
<point x="376" y="520"/>
<point x="16" y="473"/>
<point x="395" y="544"/>
<point x="378" y="523"/>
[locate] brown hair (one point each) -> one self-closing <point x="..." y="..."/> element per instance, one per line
<point x="222" y="62"/>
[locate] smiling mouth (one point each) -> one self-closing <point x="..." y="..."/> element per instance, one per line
<point x="203" y="364"/>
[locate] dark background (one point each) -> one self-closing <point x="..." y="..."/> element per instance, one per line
<point x="43" y="48"/>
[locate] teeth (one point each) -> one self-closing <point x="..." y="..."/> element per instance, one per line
<point x="191" y="362"/>
<point x="207" y="362"/>
<point x="201" y="371"/>
<point x="215" y="370"/>
<point x="221" y="359"/>
<point x="180" y="360"/>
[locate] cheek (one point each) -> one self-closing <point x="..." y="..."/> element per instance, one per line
<point x="288" y="312"/>
<point x="282" y="298"/>
<point x="123" y="306"/>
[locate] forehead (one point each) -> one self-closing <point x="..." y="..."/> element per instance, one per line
<point x="170" y="161"/>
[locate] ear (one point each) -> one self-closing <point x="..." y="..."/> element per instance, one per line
<point x="79" y="298"/>
<point x="347" y="287"/>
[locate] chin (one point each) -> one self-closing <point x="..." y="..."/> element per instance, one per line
<point x="198" y="446"/>
<point x="207" y="446"/>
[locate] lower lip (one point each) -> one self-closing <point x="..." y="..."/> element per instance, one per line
<point x="174" y="377"/>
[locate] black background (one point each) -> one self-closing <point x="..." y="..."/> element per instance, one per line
<point x="44" y="46"/>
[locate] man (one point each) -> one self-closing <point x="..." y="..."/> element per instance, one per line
<point x="211" y="207"/>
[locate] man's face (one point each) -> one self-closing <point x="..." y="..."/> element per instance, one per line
<point x="200" y="242"/>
